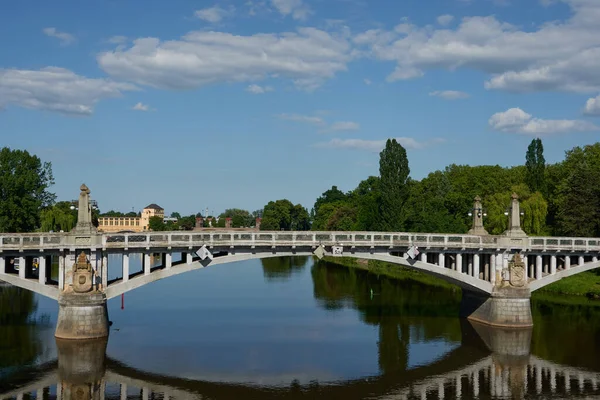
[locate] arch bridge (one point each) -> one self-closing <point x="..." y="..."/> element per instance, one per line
<point x="497" y="273"/>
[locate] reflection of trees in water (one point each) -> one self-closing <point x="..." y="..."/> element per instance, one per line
<point x="566" y="333"/>
<point x="18" y="342"/>
<point x="282" y="268"/>
<point x="398" y="308"/>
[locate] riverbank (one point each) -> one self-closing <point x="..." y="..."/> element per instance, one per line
<point x="394" y="271"/>
<point x="582" y="289"/>
<point x="585" y="284"/>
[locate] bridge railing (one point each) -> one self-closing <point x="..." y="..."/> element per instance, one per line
<point x="287" y="238"/>
<point x="180" y="239"/>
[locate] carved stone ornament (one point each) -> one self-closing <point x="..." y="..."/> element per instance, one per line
<point x="517" y="271"/>
<point x="82" y="275"/>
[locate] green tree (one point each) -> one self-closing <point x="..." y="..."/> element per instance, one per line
<point x="175" y="215"/>
<point x="187" y="223"/>
<point x="578" y="203"/>
<point x="366" y="199"/>
<point x="536" y="167"/>
<point x="156" y="224"/>
<point x="239" y="218"/>
<point x="24" y="184"/>
<point x="284" y="215"/>
<point x="333" y="195"/>
<point x="58" y="217"/>
<point x="394" y="172"/>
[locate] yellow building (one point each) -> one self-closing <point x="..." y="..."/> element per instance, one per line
<point x="134" y="224"/>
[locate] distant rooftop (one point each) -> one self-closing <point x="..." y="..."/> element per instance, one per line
<point x="154" y="207"/>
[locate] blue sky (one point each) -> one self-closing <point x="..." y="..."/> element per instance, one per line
<point x="219" y="104"/>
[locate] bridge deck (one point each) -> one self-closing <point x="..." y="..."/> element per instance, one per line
<point x="391" y="240"/>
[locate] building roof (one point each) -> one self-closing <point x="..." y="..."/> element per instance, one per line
<point x="154" y="207"/>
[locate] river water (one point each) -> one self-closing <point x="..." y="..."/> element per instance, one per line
<point x="287" y="328"/>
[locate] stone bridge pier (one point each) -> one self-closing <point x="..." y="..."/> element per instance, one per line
<point x="509" y="304"/>
<point x="82" y="311"/>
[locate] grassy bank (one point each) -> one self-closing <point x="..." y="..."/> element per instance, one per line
<point x="584" y="284"/>
<point x="395" y="271"/>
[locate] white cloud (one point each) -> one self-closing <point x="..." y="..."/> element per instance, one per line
<point x="376" y="145"/>
<point x="141" y="107"/>
<point x="309" y="119"/>
<point x="557" y="55"/>
<point x="117" y="39"/>
<point x="367" y="81"/>
<point x="56" y="89"/>
<point x="344" y="126"/>
<point x="257" y="89"/>
<point x="445" y="20"/>
<point x="308" y="57"/>
<point x="450" y="94"/>
<point x="296" y="8"/>
<point x="65" y="38"/>
<point x="214" y="14"/>
<point x="516" y="120"/>
<point x="592" y="106"/>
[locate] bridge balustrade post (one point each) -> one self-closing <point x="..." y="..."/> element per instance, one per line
<point x="125" y="266"/>
<point x="458" y="262"/>
<point x="104" y="277"/>
<point x="442" y="260"/>
<point x="188" y="258"/>
<point x="538" y="266"/>
<point x="168" y="260"/>
<point x="581" y="261"/>
<point x="22" y="265"/>
<point x="2" y="264"/>
<point x="61" y="271"/>
<point x="552" y="264"/>
<point x="595" y="259"/>
<point x="147" y="263"/>
<point x="470" y="261"/>
<point x="476" y="265"/>
<point x="493" y="269"/>
<point x="423" y="256"/>
<point x="42" y="270"/>
<point x="567" y="261"/>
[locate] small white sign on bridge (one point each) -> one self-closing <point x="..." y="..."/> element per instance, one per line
<point x="413" y="252"/>
<point x="204" y="253"/>
<point x="337" y="251"/>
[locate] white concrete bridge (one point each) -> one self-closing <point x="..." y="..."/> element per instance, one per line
<point x="477" y="262"/>
<point x="472" y="262"/>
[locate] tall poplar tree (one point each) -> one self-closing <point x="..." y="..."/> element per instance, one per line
<point x="394" y="171"/>
<point x="536" y="167"/>
<point x="24" y="183"/>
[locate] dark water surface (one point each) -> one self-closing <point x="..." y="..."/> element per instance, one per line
<point x="287" y="328"/>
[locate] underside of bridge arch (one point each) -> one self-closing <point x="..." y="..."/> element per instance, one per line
<point x="549" y="279"/>
<point x="465" y="281"/>
<point x="32" y="285"/>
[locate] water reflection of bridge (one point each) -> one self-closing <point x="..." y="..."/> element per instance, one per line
<point x="498" y="364"/>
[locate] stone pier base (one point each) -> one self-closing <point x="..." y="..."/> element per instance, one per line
<point x="507" y="307"/>
<point x="82" y="316"/>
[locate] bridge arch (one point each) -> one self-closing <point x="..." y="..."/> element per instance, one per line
<point x="463" y="280"/>
<point x="549" y="279"/>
